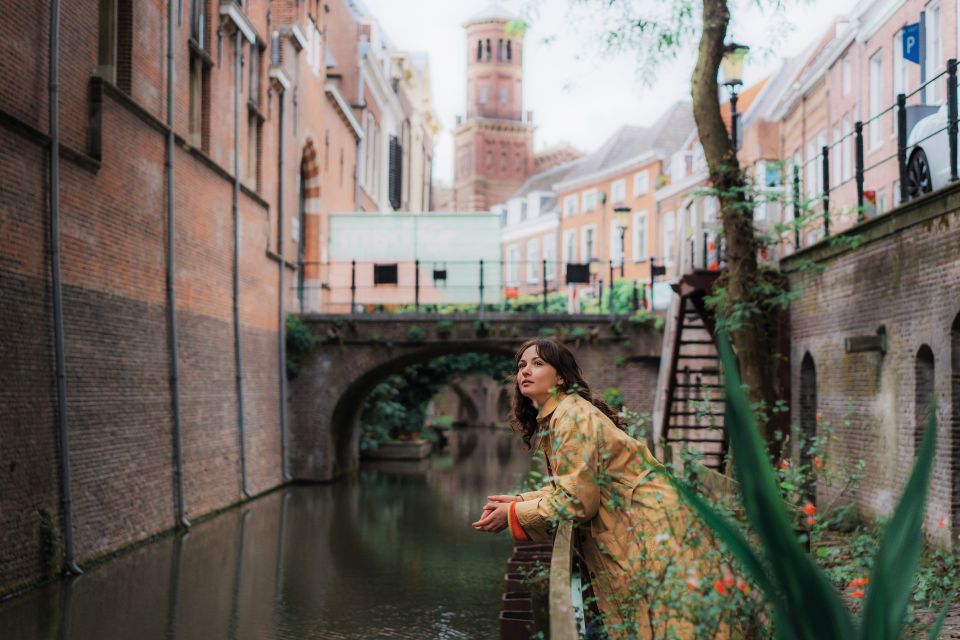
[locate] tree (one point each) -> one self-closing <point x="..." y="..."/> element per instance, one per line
<point x="658" y="31"/>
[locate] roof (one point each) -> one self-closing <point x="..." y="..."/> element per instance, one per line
<point x="666" y="135"/>
<point x="492" y="13"/>
<point x="544" y="180"/>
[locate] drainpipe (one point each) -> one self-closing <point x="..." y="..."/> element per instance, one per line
<point x="66" y="502"/>
<point x="281" y="316"/>
<point x="171" y="284"/>
<point x="238" y="354"/>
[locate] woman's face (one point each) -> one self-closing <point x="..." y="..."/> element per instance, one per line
<point x="535" y="376"/>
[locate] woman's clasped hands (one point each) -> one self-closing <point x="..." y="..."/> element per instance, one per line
<point x="494" y="516"/>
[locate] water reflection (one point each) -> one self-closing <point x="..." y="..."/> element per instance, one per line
<point x="387" y="554"/>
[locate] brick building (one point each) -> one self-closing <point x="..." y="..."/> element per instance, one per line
<point x="262" y="118"/>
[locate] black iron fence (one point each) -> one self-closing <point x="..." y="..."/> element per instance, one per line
<point x="485" y="284"/>
<point x="910" y="185"/>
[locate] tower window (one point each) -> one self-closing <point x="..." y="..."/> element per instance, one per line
<point x="503" y="160"/>
<point x="484" y="94"/>
<point x="489" y="160"/>
<point x="504" y="94"/>
<point x="488" y="50"/>
<point x="500" y="50"/>
<point x="509" y="52"/>
<point x="479" y="50"/>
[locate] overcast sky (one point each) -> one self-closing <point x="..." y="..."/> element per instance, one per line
<point x="576" y="94"/>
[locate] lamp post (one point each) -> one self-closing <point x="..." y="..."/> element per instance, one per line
<point x="731" y="66"/>
<point x="622" y="218"/>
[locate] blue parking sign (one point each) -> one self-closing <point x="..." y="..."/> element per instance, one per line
<point x="911" y="42"/>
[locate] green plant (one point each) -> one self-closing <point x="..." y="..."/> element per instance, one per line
<point x="613" y="396"/>
<point x="416" y="333"/>
<point x="481" y="328"/>
<point x="620" y="361"/>
<point x="444" y="328"/>
<point x="547" y="332"/>
<point x="805" y="605"/>
<point x="299" y="344"/>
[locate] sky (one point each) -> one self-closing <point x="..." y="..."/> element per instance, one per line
<point x="577" y="94"/>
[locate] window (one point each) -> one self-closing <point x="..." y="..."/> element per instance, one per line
<point x="846" y="148"/>
<point x="513" y="264"/>
<point x="314" y="47"/>
<point x="488" y="50"/>
<point x="479" y="50"/>
<point x="569" y="206"/>
<point x="618" y="191"/>
<point x="641" y="183"/>
<point x="588" y="252"/>
<point x="115" y="43"/>
<point x="533" y="261"/>
<point x="934" y="50"/>
<point x="523" y="210"/>
<point x="899" y="71"/>
<point x="509" y="52"/>
<point x="395" y="173"/>
<point x="504" y="95"/>
<point x="198" y="22"/>
<point x="639" y="236"/>
<point x="836" y="162"/>
<point x="895" y="196"/>
<point x="881" y="201"/>
<point x="503" y="160"/>
<point x="845" y="76"/>
<point x="923" y="391"/>
<point x="710" y="209"/>
<point x="517" y="162"/>
<point x="810" y="175"/>
<point x="484" y="94"/>
<point x="500" y="50"/>
<point x="668" y="235"/>
<point x="589" y="200"/>
<point x="821" y="143"/>
<point x="616" y="253"/>
<point x="199" y="102"/>
<point x="488" y="160"/>
<point x="550" y="255"/>
<point x="256" y="62"/>
<point x="569" y="246"/>
<point x="252" y="173"/>
<point x="876" y="93"/>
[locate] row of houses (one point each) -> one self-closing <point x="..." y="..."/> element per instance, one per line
<point x="851" y="73"/>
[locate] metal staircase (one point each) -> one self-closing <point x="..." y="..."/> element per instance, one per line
<point x="694" y="403"/>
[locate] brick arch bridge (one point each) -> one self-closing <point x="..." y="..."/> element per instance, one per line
<point x="355" y="353"/>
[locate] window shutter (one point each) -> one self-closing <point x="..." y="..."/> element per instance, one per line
<point x="396" y="168"/>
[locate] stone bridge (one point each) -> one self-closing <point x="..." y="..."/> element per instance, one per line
<point x="355" y="353"/>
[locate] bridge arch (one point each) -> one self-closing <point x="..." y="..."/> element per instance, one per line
<point x="356" y="353"/>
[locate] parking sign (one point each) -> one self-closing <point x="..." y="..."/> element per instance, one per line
<point x="911" y="42"/>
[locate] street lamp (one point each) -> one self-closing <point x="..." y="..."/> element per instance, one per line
<point x="731" y="66"/>
<point x="621" y="216"/>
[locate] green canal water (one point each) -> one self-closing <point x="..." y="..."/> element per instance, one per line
<point x="387" y="554"/>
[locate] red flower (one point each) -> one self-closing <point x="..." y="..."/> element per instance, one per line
<point x="743" y="586"/>
<point x="728" y="579"/>
<point x="809" y="509"/>
<point x="720" y="588"/>
<point x="784" y="464"/>
<point x="693" y="583"/>
<point x="942" y="524"/>
<point x="811" y="521"/>
<point x="856" y="583"/>
<point x="858" y="593"/>
<point x="817" y="462"/>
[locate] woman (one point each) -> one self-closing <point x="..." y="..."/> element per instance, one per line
<point x="636" y="539"/>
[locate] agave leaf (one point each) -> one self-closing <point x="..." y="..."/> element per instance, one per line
<point x="934" y="633"/>
<point x="813" y="608"/>
<point x="896" y="563"/>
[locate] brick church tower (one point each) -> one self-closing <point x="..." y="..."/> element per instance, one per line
<point x="494" y="144"/>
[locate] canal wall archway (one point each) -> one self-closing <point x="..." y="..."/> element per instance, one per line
<point x="354" y="354"/>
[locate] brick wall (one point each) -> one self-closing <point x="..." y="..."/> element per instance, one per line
<point x="904" y="276"/>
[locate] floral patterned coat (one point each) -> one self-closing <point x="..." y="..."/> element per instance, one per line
<point x="631" y="528"/>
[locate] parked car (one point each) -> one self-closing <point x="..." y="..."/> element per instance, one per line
<point x="928" y="154"/>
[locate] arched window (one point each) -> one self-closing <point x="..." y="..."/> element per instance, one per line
<point x="808" y="412"/>
<point x="509" y="51"/>
<point x="955" y="424"/>
<point x="923" y="384"/>
<point x="488" y="50"/>
<point x="479" y="50"/>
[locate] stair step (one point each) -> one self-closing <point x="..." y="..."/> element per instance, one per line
<point x="691" y="385"/>
<point x="702" y="356"/>
<point x="696" y="427"/>
<point x="704" y="342"/>
<point x="688" y="441"/>
<point x="694" y="413"/>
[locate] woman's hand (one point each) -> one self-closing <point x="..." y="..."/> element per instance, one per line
<point x="494" y="516"/>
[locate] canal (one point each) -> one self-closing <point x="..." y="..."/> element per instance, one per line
<point x="386" y="554"/>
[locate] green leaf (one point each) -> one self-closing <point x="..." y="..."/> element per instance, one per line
<point x="899" y="554"/>
<point x="813" y="608"/>
<point x="938" y="624"/>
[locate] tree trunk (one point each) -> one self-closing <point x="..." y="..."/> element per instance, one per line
<point x="751" y="332"/>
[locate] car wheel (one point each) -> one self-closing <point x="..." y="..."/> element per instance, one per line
<point x="918" y="175"/>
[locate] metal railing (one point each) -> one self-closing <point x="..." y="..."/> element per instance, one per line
<point x="427" y="285"/>
<point x="860" y="171"/>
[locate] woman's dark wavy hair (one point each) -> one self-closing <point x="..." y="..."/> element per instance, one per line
<point x="554" y="353"/>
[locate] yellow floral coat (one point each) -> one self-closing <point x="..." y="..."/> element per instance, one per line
<point x="631" y="528"/>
